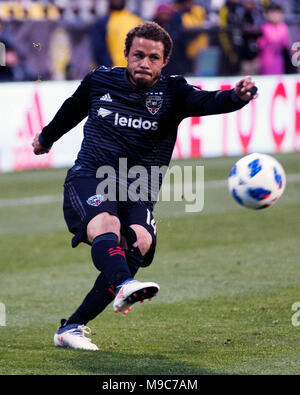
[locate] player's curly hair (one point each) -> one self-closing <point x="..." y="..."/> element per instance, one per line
<point x="150" y="31"/>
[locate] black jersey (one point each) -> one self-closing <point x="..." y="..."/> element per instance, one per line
<point x="125" y="121"/>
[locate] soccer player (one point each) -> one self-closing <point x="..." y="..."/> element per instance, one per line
<point x="133" y="114"/>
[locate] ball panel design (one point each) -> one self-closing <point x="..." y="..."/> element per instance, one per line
<point x="258" y="193"/>
<point x="255" y="167"/>
<point x="256" y="181"/>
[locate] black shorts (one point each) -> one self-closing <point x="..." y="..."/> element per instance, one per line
<point x="81" y="204"/>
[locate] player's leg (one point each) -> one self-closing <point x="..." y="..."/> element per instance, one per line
<point x="103" y="292"/>
<point x="99" y="297"/>
<point x="139" y="228"/>
<point x="95" y="222"/>
<point x="103" y="233"/>
<point x="141" y="240"/>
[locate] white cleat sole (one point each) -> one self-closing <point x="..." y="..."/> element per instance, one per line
<point x="132" y="293"/>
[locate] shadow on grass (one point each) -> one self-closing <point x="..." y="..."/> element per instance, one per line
<point x="115" y="363"/>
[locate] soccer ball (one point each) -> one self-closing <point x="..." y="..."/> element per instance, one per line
<point x="257" y="181"/>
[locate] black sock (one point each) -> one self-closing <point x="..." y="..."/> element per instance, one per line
<point x="99" y="297"/>
<point x="109" y="258"/>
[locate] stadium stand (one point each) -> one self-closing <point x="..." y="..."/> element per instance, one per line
<point x="209" y="36"/>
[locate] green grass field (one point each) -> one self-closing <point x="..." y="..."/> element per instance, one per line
<point x="228" y="277"/>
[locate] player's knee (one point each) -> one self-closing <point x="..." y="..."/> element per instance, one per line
<point x="137" y="242"/>
<point x="143" y="239"/>
<point x="103" y="223"/>
<point x="144" y="244"/>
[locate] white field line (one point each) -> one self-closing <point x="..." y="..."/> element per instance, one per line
<point x="46" y="199"/>
<point x="30" y="201"/>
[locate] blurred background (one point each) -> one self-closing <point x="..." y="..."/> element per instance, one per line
<point x="51" y="45"/>
<point x="64" y="39"/>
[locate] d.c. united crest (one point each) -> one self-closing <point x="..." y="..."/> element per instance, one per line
<point x="154" y="101"/>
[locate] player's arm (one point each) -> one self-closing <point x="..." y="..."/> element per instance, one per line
<point x="70" y="114"/>
<point x="200" y="102"/>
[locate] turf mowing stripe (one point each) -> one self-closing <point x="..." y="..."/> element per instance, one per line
<point x="29" y="201"/>
<point x="46" y="199"/>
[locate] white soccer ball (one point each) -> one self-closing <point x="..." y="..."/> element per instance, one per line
<point x="257" y="181"/>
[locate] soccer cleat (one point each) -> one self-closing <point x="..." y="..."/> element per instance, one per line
<point x="131" y="292"/>
<point x="73" y="336"/>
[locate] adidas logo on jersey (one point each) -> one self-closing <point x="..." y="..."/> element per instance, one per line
<point x="106" y="97"/>
<point x="136" y="123"/>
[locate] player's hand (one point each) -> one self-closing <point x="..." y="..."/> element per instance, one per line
<point x="38" y="149"/>
<point x="243" y="89"/>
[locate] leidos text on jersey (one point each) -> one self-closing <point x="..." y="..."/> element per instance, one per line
<point x="136" y="123"/>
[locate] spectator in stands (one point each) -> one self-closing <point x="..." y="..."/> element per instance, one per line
<point x="28" y="10"/>
<point x="171" y="21"/>
<point x="274" y="42"/>
<point x="192" y="17"/>
<point x="36" y="11"/>
<point x="295" y="6"/>
<point x="251" y="19"/>
<point x="230" y="37"/>
<point x="15" y="68"/>
<point x="108" y="34"/>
